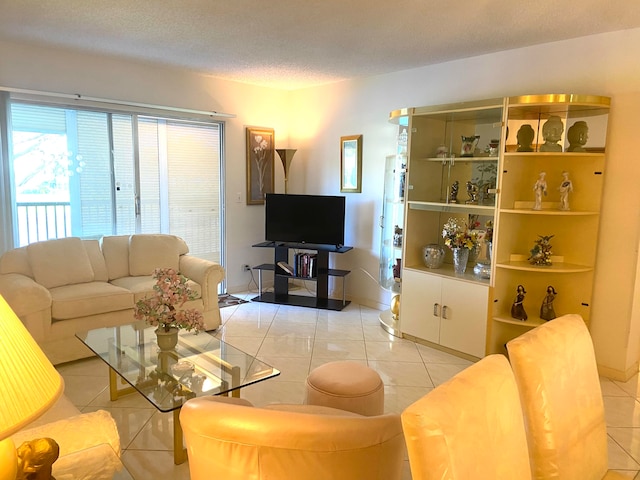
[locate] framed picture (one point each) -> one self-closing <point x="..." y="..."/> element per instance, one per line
<point x="260" y="154"/>
<point x="351" y="164"/>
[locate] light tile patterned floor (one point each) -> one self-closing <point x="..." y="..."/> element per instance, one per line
<point x="279" y="334"/>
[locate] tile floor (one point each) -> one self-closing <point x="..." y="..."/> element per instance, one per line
<point x="279" y="334"/>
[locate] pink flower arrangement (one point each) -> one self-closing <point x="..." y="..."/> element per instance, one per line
<point x="171" y="292"/>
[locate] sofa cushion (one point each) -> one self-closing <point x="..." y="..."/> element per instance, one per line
<point x="148" y="252"/>
<point x="142" y="286"/>
<point x="115" y="250"/>
<point x="96" y="258"/>
<point x="59" y="262"/>
<point x="84" y="299"/>
<point x="16" y="261"/>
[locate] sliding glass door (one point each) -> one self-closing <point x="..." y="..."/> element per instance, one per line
<point x="91" y="173"/>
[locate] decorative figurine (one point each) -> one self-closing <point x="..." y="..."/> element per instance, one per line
<point x="552" y="132"/>
<point x="36" y="458"/>
<point x="578" y="134"/>
<point x="541" y="252"/>
<point x="525" y="138"/>
<point x="469" y="145"/>
<point x="397" y="269"/>
<point x="403" y="176"/>
<point x="540" y="189"/>
<point x="472" y="191"/>
<point x="453" y="195"/>
<point x="397" y="236"/>
<point x="565" y="188"/>
<point x="517" y="309"/>
<point x="492" y="149"/>
<point x="546" y="309"/>
<point x="442" y="151"/>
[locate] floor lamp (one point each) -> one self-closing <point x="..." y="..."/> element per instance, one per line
<point x="286" y="155"/>
<point x="29" y="386"/>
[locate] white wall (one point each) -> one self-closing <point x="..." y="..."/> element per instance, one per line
<point x="55" y="70"/>
<point x="601" y="64"/>
<point x="313" y="120"/>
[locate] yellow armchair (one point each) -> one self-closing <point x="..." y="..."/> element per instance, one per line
<point x="470" y="427"/>
<point x="230" y="439"/>
<point x="556" y="373"/>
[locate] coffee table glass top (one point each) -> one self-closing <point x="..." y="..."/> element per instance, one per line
<point x="200" y="365"/>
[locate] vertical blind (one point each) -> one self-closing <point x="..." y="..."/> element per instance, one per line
<point x="102" y="163"/>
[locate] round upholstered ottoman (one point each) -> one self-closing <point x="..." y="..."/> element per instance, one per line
<point x="348" y="386"/>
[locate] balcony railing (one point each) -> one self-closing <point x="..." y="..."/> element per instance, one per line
<point x="39" y="221"/>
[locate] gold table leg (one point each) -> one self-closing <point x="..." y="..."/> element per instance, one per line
<point x="114" y="392"/>
<point x="179" y="452"/>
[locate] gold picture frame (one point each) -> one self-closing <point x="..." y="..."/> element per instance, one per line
<point x="351" y="164"/>
<point x="260" y="155"/>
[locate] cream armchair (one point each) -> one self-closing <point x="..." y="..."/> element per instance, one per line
<point x="226" y="439"/>
<point x="470" y="427"/>
<point x="556" y="372"/>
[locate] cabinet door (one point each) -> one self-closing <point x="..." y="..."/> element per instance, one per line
<point x="464" y="316"/>
<point x="420" y="305"/>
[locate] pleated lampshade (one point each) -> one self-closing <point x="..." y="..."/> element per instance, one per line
<point x="29" y="384"/>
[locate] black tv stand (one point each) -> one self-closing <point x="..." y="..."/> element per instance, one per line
<point x="281" y="295"/>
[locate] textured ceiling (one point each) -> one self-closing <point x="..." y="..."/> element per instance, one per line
<point x="294" y="43"/>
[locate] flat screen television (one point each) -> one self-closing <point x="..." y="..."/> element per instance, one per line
<point x="314" y="219"/>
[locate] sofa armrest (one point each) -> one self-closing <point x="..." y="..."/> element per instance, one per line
<point x="76" y="433"/>
<point x="207" y="274"/>
<point x="29" y="300"/>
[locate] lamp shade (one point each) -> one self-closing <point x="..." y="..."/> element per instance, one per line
<point x="286" y="155"/>
<point x="29" y="384"/>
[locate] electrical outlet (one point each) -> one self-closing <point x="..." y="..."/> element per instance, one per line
<point x="246" y="268"/>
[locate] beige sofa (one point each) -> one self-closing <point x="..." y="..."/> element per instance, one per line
<point x="64" y="286"/>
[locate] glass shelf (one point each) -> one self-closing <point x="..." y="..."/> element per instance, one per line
<point x="528" y="323"/>
<point x="452" y="207"/>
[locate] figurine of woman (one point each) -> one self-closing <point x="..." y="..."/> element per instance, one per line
<point x="552" y="132"/>
<point x="565" y="188"/>
<point x="540" y="189"/>
<point x="546" y="309"/>
<point x="517" y="309"/>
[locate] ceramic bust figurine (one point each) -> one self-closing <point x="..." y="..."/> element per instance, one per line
<point x="578" y="134"/>
<point x="540" y="189"/>
<point x="525" y="138"/>
<point x="552" y="133"/>
<point x="565" y="188"/>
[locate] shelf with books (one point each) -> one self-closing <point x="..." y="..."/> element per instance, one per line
<point x="317" y="267"/>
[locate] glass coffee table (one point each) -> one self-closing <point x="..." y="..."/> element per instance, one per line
<point x="200" y="365"/>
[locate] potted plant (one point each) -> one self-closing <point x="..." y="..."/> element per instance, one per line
<point x="163" y="309"/>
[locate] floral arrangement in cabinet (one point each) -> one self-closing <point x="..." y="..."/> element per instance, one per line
<point x="456" y="234"/>
<point x="170" y="292"/>
<point x="541" y="251"/>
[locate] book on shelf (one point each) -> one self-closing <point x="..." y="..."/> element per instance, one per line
<point x="305" y="265"/>
<point x="286" y="267"/>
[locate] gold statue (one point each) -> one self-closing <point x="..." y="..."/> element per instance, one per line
<point x="36" y="458"/>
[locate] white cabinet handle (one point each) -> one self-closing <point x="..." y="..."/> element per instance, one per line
<point x="444" y="312"/>
<point x="436" y="309"/>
